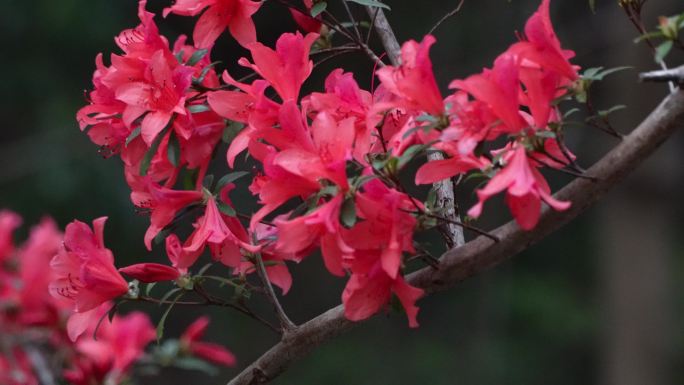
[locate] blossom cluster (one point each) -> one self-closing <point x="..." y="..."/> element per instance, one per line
<point x="328" y="169"/>
<point x="87" y="347"/>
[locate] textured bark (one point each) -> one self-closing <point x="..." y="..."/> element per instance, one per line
<point x="482" y="254"/>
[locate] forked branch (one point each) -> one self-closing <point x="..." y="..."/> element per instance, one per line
<point x="482" y="253"/>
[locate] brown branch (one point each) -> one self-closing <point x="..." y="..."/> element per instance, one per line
<point x="445" y="188"/>
<point x="445" y="17"/>
<point x="673" y="75"/>
<point x="285" y="323"/>
<point x="482" y="253"/>
<point x="386" y="33"/>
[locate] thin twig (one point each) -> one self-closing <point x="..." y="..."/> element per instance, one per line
<point x="445" y="17"/>
<point x="285" y="323"/>
<point x="352" y="19"/>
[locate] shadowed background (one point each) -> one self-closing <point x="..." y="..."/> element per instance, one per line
<point x="599" y="302"/>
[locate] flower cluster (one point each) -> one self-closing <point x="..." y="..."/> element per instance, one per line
<point x="71" y="325"/>
<point x="328" y="169"/>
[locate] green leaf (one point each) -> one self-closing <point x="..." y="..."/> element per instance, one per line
<point x="147" y="159"/>
<point x="160" y="325"/>
<point x="318" y="8"/>
<point x="371" y="3"/>
<point x="662" y="50"/>
<point x="348" y="213"/>
<point x="231" y="131"/>
<point x="134" y="134"/>
<point x="169" y="294"/>
<point x="196" y="108"/>
<point x="173" y="151"/>
<point x="192" y="363"/>
<point x="204" y="72"/>
<point x="230" y="178"/>
<point x="592" y="5"/>
<point x="149" y="287"/>
<point x="605" y="113"/>
<point x="226" y="208"/>
<point x="197" y="56"/>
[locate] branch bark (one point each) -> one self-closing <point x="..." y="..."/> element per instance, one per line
<point x="445" y="189"/>
<point x="482" y="254"/>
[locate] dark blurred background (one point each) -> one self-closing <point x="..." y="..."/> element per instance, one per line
<point x="599" y="302"/>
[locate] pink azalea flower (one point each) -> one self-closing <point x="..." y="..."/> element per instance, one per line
<point x="36" y="304"/>
<point x="414" y="82"/>
<point x="499" y="89"/>
<point x="320" y="154"/>
<point x="161" y="93"/>
<point x="387" y="227"/>
<point x="286" y="67"/>
<point x="366" y="293"/>
<point x="299" y="235"/>
<point x="525" y="189"/>
<point x="191" y="342"/>
<point x="84" y="269"/>
<point x="164" y="204"/>
<point x="118" y="344"/>
<point x="217" y="231"/>
<point x="236" y="15"/>
<point x="542" y="45"/>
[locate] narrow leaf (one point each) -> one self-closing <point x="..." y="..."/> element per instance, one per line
<point x="196" y="57"/>
<point x="371" y="3"/>
<point x="318" y="8"/>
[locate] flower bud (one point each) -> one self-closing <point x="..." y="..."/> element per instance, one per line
<point x="151" y="272"/>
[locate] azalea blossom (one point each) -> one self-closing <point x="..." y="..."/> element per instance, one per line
<point x="236" y="15"/>
<point x="191" y="342"/>
<point x="525" y="189"/>
<point x="84" y="269"/>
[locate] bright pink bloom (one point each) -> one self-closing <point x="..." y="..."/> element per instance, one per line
<point x="414" y="82"/>
<point x="437" y="170"/>
<point x="37" y="306"/>
<point x="161" y="93"/>
<point x="365" y="294"/>
<point x="387" y="227"/>
<point x="217" y="231"/>
<point x="236" y="15"/>
<point x="322" y="154"/>
<point x="151" y="272"/>
<point x="190" y="341"/>
<point x="118" y="344"/>
<point x="543" y="47"/>
<point x="322" y="226"/>
<point x="84" y="269"/>
<point x="164" y="204"/>
<point x="525" y="189"/>
<point x="286" y="67"/>
<point x="499" y="89"/>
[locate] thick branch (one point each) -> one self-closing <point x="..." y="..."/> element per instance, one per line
<point x="445" y="189"/>
<point x="386" y="33"/>
<point x="673" y="75"/>
<point x="482" y="253"/>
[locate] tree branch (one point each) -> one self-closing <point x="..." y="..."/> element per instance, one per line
<point x="675" y="75"/>
<point x="482" y="253"/>
<point x="386" y="33"/>
<point x="445" y="188"/>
